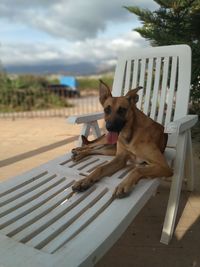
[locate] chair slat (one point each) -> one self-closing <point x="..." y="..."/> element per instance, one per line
<point x="148" y="86"/>
<point x="155" y="88"/>
<point x="141" y="81"/>
<point x="23" y="200"/>
<point x="39" y="240"/>
<point x="74" y="229"/>
<point x="171" y="90"/>
<point x="22" y="217"/>
<point x="118" y="82"/>
<point x="163" y="90"/>
<point x="135" y="74"/>
<point x="128" y="77"/>
<point x="16" y="184"/>
<point x="25" y="189"/>
<point x="37" y="226"/>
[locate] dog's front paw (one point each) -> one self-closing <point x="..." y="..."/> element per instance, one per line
<point x="122" y="190"/>
<point x="82" y="185"/>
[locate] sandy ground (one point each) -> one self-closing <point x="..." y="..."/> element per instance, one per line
<point x="24" y="135"/>
<point x="26" y="143"/>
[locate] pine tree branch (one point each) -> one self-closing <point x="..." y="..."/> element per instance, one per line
<point x="143" y="14"/>
<point x="164" y="3"/>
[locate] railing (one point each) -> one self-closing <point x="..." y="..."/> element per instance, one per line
<point x="86" y="103"/>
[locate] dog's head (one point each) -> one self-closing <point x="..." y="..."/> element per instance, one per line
<point x="117" y="109"/>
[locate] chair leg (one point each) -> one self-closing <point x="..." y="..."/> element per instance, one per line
<point x="189" y="167"/>
<point x="95" y="129"/>
<point x="84" y="131"/>
<point x="94" y="126"/>
<point x="172" y="207"/>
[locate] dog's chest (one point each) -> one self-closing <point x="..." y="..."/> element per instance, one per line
<point x="130" y="149"/>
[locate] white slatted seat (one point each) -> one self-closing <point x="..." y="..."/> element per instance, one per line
<point x="43" y="223"/>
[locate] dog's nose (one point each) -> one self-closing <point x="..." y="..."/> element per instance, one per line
<point x="115" y="126"/>
<point x="109" y="126"/>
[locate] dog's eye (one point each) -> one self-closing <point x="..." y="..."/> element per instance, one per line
<point x="108" y="110"/>
<point x="121" y="111"/>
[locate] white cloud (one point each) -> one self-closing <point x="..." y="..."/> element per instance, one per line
<point x="69" y="19"/>
<point x="74" y="31"/>
<point x="102" y="52"/>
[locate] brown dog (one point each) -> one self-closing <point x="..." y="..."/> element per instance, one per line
<point x="140" y="141"/>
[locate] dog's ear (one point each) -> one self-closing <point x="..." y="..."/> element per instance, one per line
<point x="104" y="92"/>
<point x="132" y="95"/>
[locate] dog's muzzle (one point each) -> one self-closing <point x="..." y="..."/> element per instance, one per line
<point x="115" y="126"/>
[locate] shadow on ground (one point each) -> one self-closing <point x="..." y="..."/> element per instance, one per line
<point x="35" y="152"/>
<point x="139" y="246"/>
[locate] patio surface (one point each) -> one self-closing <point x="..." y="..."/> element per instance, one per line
<point x="26" y="143"/>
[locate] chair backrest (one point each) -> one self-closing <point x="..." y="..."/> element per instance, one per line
<point x="164" y="72"/>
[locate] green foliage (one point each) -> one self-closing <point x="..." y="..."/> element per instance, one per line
<point x="174" y="22"/>
<point x="92" y="83"/>
<point x="27" y="92"/>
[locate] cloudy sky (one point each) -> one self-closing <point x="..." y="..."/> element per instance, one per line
<point x="67" y="31"/>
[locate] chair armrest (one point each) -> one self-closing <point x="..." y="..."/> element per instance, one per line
<point x="85" y="118"/>
<point x="181" y="125"/>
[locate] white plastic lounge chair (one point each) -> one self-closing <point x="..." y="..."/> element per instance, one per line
<point x="42" y="223"/>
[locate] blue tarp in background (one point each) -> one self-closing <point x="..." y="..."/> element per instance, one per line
<point x="69" y="81"/>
